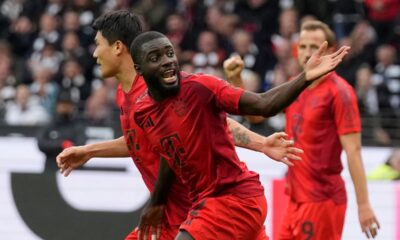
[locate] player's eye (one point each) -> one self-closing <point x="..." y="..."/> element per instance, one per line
<point x="153" y="58"/>
<point x="170" y="53"/>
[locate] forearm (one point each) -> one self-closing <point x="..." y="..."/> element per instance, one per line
<point x="163" y="184"/>
<point x="358" y="177"/>
<point x="245" y="138"/>
<point x="112" y="148"/>
<point x="275" y="100"/>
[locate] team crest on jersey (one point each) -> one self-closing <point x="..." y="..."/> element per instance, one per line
<point x="179" y="107"/>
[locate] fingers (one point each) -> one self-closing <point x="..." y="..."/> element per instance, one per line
<point x="322" y="49"/>
<point x="158" y="231"/>
<point x="293" y="157"/>
<point x="286" y="161"/>
<point x="372" y="229"/>
<point x="68" y="171"/>
<point x="338" y="56"/>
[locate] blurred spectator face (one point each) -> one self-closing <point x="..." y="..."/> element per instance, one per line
<point x="241" y="42"/>
<point x="106" y="60"/>
<point x="22" y="25"/>
<point x="42" y="76"/>
<point x="251" y="81"/>
<point x="309" y="42"/>
<point x="288" y="23"/>
<point x="48" y="23"/>
<point x="70" y="41"/>
<point x="71" y="69"/>
<point x="256" y="3"/>
<point x="187" y="3"/>
<point x="175" y="24"/>
<point x="386" y="55"/>
<point x="395" y="160"/>
<point x="363" y="78"/>
<point x="71" y="21"/>
<point x="213" y="17"/>
<point x="22" y="95"/>
<point x="207" y="42"/>
<point x="279" y="77"/>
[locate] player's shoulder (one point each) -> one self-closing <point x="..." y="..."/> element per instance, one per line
<point x="341" y="87"/>
<point x="201" y="79"/>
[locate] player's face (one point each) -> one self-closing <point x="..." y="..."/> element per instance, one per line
<point x="160" y="67"/>
<point x="105" y="56"/>
<point x="309" y="42"/>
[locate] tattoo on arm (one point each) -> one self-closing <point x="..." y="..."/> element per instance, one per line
<point x="240" y="137"/>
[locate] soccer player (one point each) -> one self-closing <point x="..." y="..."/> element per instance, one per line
<point x="183" y="116"/>
<point x="323" y="121"/>
<point x="115" y="31"/>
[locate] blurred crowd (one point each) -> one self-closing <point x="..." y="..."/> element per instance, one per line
<point x="46" y="48"/>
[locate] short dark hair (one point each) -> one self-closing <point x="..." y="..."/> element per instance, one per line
<point x="136" y="46"/>
<point x="120" y="25"/>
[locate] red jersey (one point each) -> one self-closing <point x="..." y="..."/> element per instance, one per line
<point x="189" y="130"/>
<point x="145" y="159"/>
<point x="315" y="121"/>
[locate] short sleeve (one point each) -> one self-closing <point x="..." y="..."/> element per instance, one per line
<point x="346" y="113"/>
<point x="226" y="95"/>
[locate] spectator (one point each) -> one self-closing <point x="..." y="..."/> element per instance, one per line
<point x="45" y="89"/>
<point x="64" y="130"/>
<point x="48" y="57"/>
<point x="390" y="170"/>
<point x="25" y="110"/>
<point x="244" y="46"/>
<point x="209" y="55"/>
<point x="369" y="107"/>
<point x="382" y="15"/>
<point x="98" y="108"/>
<point x="47" y="32"/>
<point x="363" y="43"/>
<point x="72" y="77"/>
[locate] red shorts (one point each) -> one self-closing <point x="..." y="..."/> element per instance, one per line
<point x="313" y="220"/>
<point x="167" y="233"/>
<point x="228" y="217"/>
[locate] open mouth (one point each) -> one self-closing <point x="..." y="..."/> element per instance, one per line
<point x="169" y="76"/>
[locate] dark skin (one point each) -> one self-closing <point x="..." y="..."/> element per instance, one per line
<point x="159" y="66"/>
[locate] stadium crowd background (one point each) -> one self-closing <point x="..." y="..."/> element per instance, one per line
<point x="46" y="47"/>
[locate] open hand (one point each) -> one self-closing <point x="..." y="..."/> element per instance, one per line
<point x="319" y="64"/>
<point x="278" y="148"/>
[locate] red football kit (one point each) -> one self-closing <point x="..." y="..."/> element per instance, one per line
<point x="317" y="191"/>
<point x="189" y="130"/>
<point x="147" y="162"/>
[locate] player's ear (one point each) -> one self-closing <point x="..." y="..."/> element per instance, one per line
<point x="137" y="68"/>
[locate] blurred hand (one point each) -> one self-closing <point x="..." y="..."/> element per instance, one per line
<point x="150" y="222"/>
<point x="278" y="148"/>
<point x="319" y="64"/>
<point x="71" y="158"/>
<point x="233" y="67"/>
<point x="369" y="223"/>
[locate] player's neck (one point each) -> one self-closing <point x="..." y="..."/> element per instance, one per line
<point x="126" y="75"/>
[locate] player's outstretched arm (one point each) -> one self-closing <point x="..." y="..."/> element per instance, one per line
<point x="276" y="146"/>
<point x="275" y="100"/>
<point x="352" y="146"/>
<point x="74" y="157"/>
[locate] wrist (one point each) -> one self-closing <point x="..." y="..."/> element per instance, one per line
<point x="88" y="150"/>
